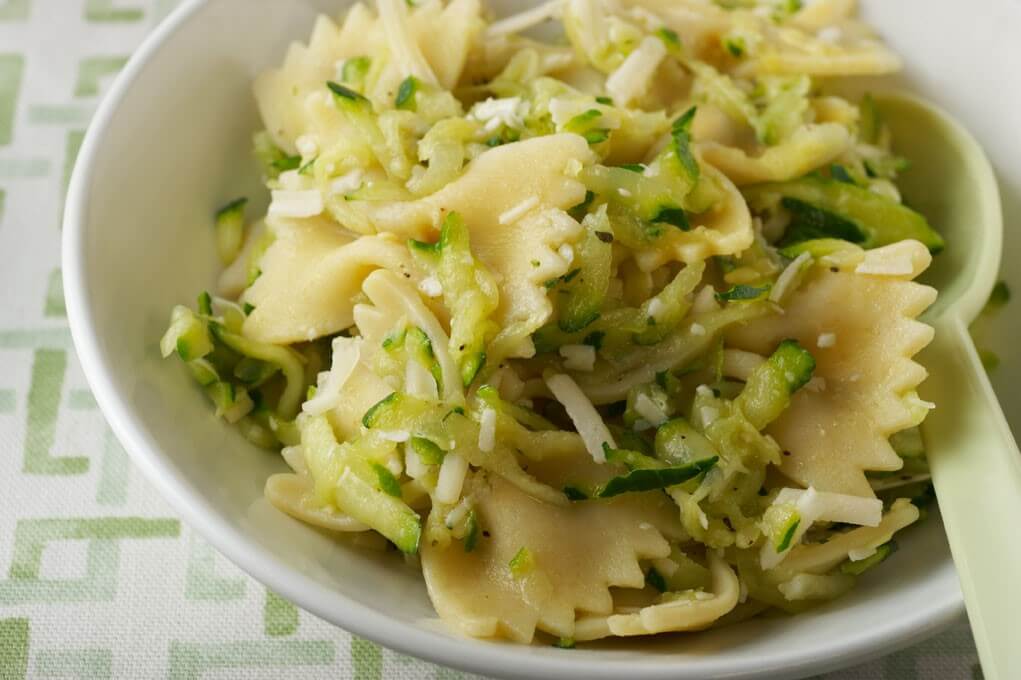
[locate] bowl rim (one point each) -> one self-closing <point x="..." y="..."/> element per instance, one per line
<point x="465" y="654"/>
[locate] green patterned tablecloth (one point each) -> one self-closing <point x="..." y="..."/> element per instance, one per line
<point x="98" y="576"/>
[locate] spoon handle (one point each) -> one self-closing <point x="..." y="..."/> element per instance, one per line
<point x="976" y="470"/>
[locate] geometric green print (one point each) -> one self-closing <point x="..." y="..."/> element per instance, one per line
<point x="87" y="664"/>
<point x="11" y="67"/>
<point x="201" y="581"/>
<point x="104" y="536"/>
<point x="50" y="663"/>
<point x="92" y="70"/>
<point x="103" y="10"/>
<point x="14" y="10"/>
<point x="280" y="615"/>
<point x="13" y="648"/>
<point x="189" y="661"/>
<point x="367" y="658"/>
<point x="43" y="405"/>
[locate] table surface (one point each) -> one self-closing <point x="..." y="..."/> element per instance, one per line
<point x="98" y="576"/>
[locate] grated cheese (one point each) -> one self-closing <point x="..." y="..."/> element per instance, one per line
<point x="398" y="436"/>
<point x="307" y="146"/>
<point x="329" y="384"/>
<point x="451" y="478"/>
<point x="419" y="382"/>
<point x="515" y="213"/>
<point x="578" y="357"/>
<point x="790" y="277"/>
<point x="523" y="21"/>
<point x="345" y="184"/>
<point x="656" y="308"/>
<point x="296" y="203"/>
<point x="509" y="111"/>
<point x="826" y="340"/>
<point x="631" y="79"/>
<point x="740" y="364"/>
<point x="583" y="414"/>
<point x="487" y="430"/>
<point x="650" y="410"/>
<point x="431" y="287"/>
<point x="567" y="252"/>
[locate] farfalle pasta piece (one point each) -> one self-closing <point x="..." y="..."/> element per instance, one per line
<point x="477" y="593"/>
<point x="310" y="276"/>
<point x="282" y="93"/>
<point x="291" y="493"/>
<point x="685" y="612"/>
<point x="862" y="331"/>
<point x="818" y="558"/>
<point x="512" y="200"/>
<point x="808" y="148"/>
<point x="725" y="229"/>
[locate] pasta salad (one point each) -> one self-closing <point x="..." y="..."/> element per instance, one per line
<point x="603" y="312"/>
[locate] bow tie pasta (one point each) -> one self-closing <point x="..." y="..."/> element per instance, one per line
<point x="616" y="333"/>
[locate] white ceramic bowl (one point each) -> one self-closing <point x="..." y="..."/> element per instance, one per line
<point x="171" y="143"/>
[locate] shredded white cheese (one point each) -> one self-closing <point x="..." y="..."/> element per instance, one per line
<point x="859" y="554"/>
<point x="702" y="519"/>
<point x="816" y="384"/>
<point x="650" y="410"/>
<point x="624" y="192"/>
<point x="826" y="340"/>
<point x="567" y="252"/>
<point x="431" y="287"/>
<point x="704" y="391"/>
<point x="578" y="357"/>
<point x="286" y="203"/>
<point x="789" y="277"/>
<point x="705" y="301"/>
<point x="419" y="382"/>
<point x="656" y="308"/>
<point x="631" y="79"/>
<point x="583" y="414"/>
<point x="345" y="184"/>
<point x="522" y="21"/>
<point x="329" y="384"/>
<point x="740" y="364"/>
<point x="457" y="515"/>
<point x="394" y="465"/>
<point x="512" y="215"/>
<point x="307" y="146"/>
<point x="709" y="415"/>
<point x="414" y="465"/>
<point x="509" y="111"/>
<point x="451" y="478"/>
<point x="665" y="566"/>
<point x="487" y="430"/>
<point x="398" y="436"/>
<point x="813" y="506"/>
<point x="697" y="329"/>
<point x="830" y="34"/>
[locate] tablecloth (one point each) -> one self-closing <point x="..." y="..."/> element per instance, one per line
<point x="99" y="578"/>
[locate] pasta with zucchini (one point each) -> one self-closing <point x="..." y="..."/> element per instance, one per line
<point x="612" y="331"/>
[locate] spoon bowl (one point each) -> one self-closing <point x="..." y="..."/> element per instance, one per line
<point x="951" y="182"/>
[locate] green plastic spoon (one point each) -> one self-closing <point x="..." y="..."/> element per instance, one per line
<point x="976" y="466"/>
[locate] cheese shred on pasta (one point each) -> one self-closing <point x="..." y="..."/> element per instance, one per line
<point x="560" y="316"/>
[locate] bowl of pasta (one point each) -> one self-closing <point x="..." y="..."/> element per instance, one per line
<point x="565" y="339"/>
